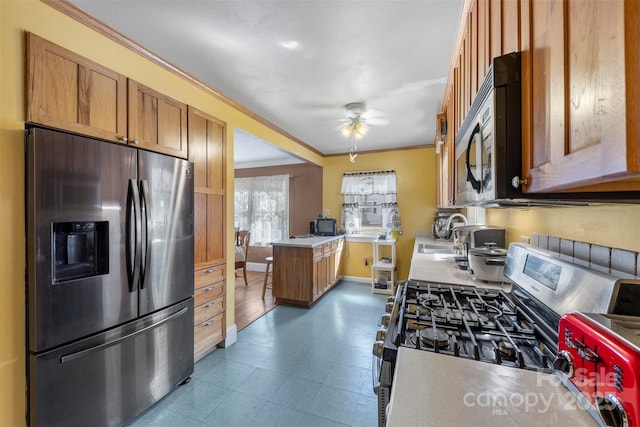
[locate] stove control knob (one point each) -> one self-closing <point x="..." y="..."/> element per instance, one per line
<point x="385" y="320"/>
<point x="378" y="347"/>
<point x="381" y="334"/>
<point x="611" y="411"/>
<point x="388" y="307"/>
<point x="564" y="363"/>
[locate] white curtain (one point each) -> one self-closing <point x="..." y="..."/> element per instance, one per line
<point x="367" y="197"/>
<point x="363" y="183"/>
<point x="261" y="205"/>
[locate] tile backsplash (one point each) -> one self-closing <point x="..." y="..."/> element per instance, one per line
<point x="614" y="258"/>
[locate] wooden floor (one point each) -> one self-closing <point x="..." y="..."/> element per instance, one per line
<point x="249" y="303"/>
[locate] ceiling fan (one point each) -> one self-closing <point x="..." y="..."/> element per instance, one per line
<point x="358" y="117"/>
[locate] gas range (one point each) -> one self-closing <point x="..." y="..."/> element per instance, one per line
<point x="473" y="323"/>
<point x="516" y="328"/>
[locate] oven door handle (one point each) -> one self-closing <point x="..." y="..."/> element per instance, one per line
<point x="375" y="373"/>
<point x="475" y="183"/>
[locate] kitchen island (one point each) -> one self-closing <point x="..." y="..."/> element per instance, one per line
<point x="306" y="268"/>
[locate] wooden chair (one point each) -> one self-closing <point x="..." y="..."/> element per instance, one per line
<point x="242" y="252"/>
<point x="267" y="272"/>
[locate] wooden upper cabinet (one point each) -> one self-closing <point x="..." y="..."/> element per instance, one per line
<point x="510" y="24"/>
<point x="445" y="154"/>
<point x="67" y="91"/>
<point x="156" y="121"/>
<point x="484" y="32"/>
<point x="474" y="61"/>
<point x="207" y="152"/>
<point x="494" y="41"/>
<point x="582" y="118"/>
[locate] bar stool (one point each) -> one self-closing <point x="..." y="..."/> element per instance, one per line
<point x="269" y="261"/>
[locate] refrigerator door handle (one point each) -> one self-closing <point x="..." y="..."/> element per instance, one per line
<point x="146" y="235"/>
<point x="133" y="233"/>
<point x="99" y="347"/>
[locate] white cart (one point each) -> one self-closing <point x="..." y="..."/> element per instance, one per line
<point x="383" y="269"/>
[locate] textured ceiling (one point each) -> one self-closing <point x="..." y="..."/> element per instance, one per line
<point x="297" y="63"/>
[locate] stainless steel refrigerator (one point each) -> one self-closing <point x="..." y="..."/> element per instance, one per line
<point x="109" y="278"/>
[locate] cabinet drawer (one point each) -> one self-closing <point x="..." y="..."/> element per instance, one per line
<point x="317" y="251"/>
<point x="326" y="248"/>
<point x="208" y="293"/>
<point x="207" y="335"/>
<point x="208" y="310"/>
<point x="207" y="276"/>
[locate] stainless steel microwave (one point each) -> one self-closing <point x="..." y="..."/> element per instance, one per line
<point x="489" y="142"/>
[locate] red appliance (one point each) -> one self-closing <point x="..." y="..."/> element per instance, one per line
<point x="599" y="354"/>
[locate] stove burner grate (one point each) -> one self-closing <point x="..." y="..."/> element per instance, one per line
<point x="434" y="337"/>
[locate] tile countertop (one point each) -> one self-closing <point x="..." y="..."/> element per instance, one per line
<point x="479" y="394"/>
<point x="440" y="267"/>
<point x="306" y="242"/>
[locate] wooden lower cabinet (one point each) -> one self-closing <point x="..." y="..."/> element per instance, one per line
<point x="209" y="312"/>
<point x="301" y="275"/>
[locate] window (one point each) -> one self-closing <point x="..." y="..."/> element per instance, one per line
<point x="261" y="205"/>
<point x="369" y="203"/>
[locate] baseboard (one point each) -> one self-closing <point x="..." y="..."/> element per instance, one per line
<point x="257" y="266"/>
<point x="357" y="279"/>
<point x="232" y="336"/>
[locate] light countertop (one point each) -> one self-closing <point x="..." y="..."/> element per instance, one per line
<point x="306" y="242"/>
<point x="440" y="267"/>
<point x="431" y="389"/>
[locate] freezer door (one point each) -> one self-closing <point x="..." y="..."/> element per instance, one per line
<point x="166" y="193"/>
<point x="76" y="191"/>
<point x="110" y="378"/>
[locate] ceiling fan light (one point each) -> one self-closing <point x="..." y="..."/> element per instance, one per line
<point x="346" y="129"/>
<point x="358" y="135"/>
<point x="361" y="129"/>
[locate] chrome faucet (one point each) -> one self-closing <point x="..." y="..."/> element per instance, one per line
<point x="455" y="215"/>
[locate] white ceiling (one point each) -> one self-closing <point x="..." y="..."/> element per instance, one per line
<point x="297" y="63"/>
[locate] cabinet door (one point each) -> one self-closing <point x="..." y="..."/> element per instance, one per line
<point x="444" y="159"/>
<point x="208" y="230"/>
<point x="580" y="137"/>
<point x="67" y="91"/>
<point x="318" y="277"/>
<point x="207" y="152"/>
<point x="156" y="121"/>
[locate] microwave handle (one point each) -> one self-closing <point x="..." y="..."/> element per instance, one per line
<point x="475" y="184"/>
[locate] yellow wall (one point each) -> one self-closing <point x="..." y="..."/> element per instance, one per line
<point x="30" y="15"/>
<point x="416" y="178"/>
<point x="615" y="226"/>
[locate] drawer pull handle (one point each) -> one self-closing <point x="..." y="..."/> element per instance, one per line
<point x="207" y="324"/>
<point x="209" y="270"/>
<point x="210" y="288"/>
<point x="209" y="305"/>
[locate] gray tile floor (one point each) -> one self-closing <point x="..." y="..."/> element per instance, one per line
<point x="291" y="367"/>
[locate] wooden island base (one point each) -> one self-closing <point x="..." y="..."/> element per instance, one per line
<point x="304" y="269"/>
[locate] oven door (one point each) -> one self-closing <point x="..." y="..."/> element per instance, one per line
<point x="475" y="165"/>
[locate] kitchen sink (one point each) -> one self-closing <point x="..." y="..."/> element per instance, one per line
<point x="425" y="248"/>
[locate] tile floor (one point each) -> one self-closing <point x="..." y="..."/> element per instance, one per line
<point x="291" y="367"/>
